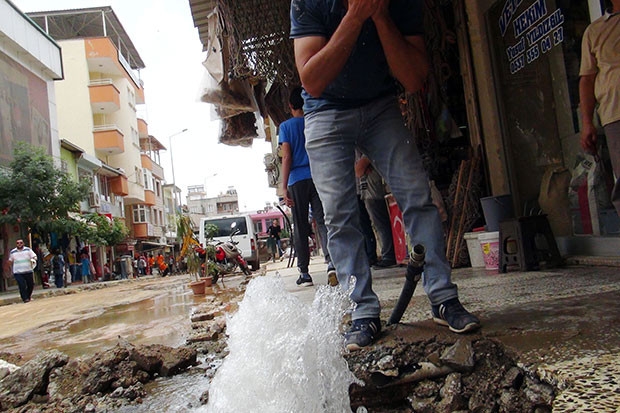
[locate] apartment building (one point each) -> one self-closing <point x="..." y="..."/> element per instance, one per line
<point x="98" y="111"/>
<point x="30" y="62"/>
<point x="199" y="204"/>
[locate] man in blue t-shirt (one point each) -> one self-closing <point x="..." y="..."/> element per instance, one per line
<point x="299" y="191"/>
<point x="350" y="54"/>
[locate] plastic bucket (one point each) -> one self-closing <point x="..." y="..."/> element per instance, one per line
<point x="496" y="209"/>
<point x="489" y="243"/>
<point x="473" y="248"/>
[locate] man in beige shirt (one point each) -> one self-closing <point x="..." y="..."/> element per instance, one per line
<point x="600" y="83"/>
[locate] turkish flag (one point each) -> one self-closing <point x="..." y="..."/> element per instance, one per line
<point x="398" y="229"/>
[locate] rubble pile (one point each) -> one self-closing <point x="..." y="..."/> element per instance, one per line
<point x="52" y="382"/>
<point x="443" y="373"/>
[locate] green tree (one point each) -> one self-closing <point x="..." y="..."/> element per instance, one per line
<point x="36" y="195"/>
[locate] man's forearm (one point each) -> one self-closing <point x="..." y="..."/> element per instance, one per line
<point x="587" y="100"/>
<point x="286" y="170"/>
<point x="320" y="69"/>
<point x="406" y="57"/>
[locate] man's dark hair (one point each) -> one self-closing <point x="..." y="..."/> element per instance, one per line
<point x="295" y="99"/>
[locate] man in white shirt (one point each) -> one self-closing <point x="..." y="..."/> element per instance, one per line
<point x="23" y="260"/>
<point x="600" y="84"/>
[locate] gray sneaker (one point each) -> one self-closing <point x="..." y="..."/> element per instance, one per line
<point x="363" y="332"/>
<point x="451" y="313"/>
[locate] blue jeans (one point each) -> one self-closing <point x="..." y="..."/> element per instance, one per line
<point x="378" y="130"/>
<point x="370" y="241"/>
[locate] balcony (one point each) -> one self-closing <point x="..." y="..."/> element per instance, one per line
<point x="102" y="56"/>
<point x="143" y="128"/>
<point x="154" y="167"/>
<point x="146" y="162"/>
<point x="141" y="230"/>
<point x="119" y="185"/>
<point x="109" y="139"/>
<point x="149" y="197"/>
<point x="104" y="96"/>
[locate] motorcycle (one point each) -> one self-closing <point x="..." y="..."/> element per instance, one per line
<point x="229" y="257"/>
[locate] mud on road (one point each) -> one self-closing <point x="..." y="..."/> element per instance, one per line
<point x="83" y="319"/>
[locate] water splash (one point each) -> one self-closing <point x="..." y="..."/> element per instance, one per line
<point x="285" y="356"/>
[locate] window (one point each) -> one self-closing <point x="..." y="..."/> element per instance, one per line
<point x="138" y="175"/>
<point x="141" y="214"/>
<point x="104" y="187"/>
<point x="224" y="225"/>
<point x="148" y="179"/>
<point x="258" y="226"/>
<point x="135" y="138"/>
<point x="120" y="203"/>
<point x="131" y="98"/>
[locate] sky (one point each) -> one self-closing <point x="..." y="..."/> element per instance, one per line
<point x="164" y="35"/>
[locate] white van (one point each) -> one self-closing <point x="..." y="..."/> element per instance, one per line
<point x="246" y="237"/>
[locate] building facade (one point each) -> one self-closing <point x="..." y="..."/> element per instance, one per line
<point x="30" y="62"/>
<point x="199" y="204"/>
<point x="99" y="103"/>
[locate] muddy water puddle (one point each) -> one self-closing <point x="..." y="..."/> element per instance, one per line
<point x="163" y="319"/>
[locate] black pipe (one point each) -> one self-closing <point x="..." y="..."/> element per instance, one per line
<point x="415" y="267"/>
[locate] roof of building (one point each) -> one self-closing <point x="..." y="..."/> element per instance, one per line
<point x="88" y="22"/>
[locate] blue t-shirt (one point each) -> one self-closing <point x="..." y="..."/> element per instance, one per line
<point x="366" y="75"/>
<point x="292" y="132"/>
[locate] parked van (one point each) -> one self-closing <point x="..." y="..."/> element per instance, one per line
<point x="246" y="237"/>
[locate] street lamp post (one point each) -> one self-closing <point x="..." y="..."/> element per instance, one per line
<point x="177" y="198"/>
<point x="171" y="158"/>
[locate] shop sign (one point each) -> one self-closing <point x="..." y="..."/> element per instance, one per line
<point x="536" y="31"/>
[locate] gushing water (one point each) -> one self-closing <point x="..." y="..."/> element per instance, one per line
<point x="285" y="356"/>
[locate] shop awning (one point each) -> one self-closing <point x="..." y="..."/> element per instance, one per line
<point x="150" y="246"/>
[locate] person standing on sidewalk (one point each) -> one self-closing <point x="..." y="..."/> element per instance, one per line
<point x="350" y="55"/>
<point x="24" y="260"/>
<point x="299" y="191"/>
<point x="86" y="269"/>
<point x="600" y="82"/>
<point x="274" y="232"/>
<point x="58" y="268"/>
<point x="373" y="195"/>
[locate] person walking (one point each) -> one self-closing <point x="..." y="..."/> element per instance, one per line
<point x="373" y="194"/>
<point x="299" y="191"/>
<point x="274" y="232"/>
<point x="58" y="268"/>
<point x="86" y="269"/>
<point x="141" y="265"/>
<point x="23" y="260"/>
<point x="600" y="83"/>
<point x="348" y="55"/>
